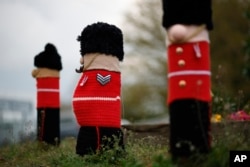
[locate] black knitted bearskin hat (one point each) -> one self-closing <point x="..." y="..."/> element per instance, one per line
<point x="194" y="12"/>
<point x="102" y="38"/>
<point x="49" y="58"/>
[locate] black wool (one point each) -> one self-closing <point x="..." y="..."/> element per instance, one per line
<point x="194" y="12"/>
<point x="102" y="38"/>
<point x="49" y="58"/>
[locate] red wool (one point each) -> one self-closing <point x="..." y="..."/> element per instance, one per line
<point x="95" y="104"/>
<point x="189" y="71"/>
<point x="48" y="94"/>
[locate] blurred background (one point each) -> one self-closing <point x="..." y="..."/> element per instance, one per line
<point x="27" y="25"/>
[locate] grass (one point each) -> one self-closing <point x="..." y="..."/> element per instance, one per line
<point x="141" y="152"/>
<point x="33" y="154"/>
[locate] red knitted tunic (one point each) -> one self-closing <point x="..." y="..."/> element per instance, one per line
<point x="96" y="100"/>
<point x="48" y="94"/>
<point x="189" y="71"/>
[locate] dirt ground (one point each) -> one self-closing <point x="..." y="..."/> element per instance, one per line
<point x="155" y="134"/>
<point x="159" y="133"/>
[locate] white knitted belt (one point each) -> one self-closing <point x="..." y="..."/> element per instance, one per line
<point x="47" y="90"/>
<point x="97" y="98"/>
<point x="189" y="72"/>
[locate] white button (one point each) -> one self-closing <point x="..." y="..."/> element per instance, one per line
<point x="179" y="50"/>
<point x="182" y="83"/>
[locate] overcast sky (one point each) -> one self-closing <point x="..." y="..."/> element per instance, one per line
<point x="27" y="25"/>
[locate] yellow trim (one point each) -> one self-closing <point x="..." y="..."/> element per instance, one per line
<point x="101" y="61"/>
<point x="193" y="34"/>
<point x="44" y="72"/>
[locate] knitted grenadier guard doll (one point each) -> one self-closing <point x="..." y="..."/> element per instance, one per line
<point x="97" y="96"/>
<point x="48" y="65"/>
<point x="189" y="100"/>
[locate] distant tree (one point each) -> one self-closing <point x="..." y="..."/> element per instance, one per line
<point x="144" y="36"/>
<point x="246" y="67"/>
<point x="246" y="46"/>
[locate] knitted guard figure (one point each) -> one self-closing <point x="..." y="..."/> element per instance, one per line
<point x="187" y="24"/>
<point x="97" y="100"/>
<point x="48" y="65"/>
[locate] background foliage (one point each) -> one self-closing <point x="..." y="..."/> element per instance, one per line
<point x="145" y="95"/>
<point x="227" y="53"/>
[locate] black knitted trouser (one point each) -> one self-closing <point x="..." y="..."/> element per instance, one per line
<point x="48" y="125"/>
<point x="189" y="127"/>
<point x="91" y="138"/>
